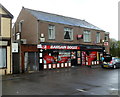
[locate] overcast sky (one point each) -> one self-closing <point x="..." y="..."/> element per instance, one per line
<point x="101" y="13"/>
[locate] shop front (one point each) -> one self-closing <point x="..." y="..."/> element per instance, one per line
<point x="53" y="56"/>
<point x="58" y="56"/>
<point x="65" y="55"/>
<point x="5" y="57"/>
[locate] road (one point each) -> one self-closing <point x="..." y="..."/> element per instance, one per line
<point x="69" y="81"/>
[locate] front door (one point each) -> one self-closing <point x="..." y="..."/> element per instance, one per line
<point x="74" y="58"/>
<point x="79" y="61"/>
<point x="31" y="62"/>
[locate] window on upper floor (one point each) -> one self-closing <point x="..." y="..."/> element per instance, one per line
<point x="106" y="37"/>
<point x="87" y="36"/>
<point x="3" y="57"/>
<point x="98" y="37"/>
<point x="68" y="34"/>
<point x="51" y="32"/>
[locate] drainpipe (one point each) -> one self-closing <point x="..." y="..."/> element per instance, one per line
<point x="37" y="31"/>
<point x="20" y="30"/>
<point x="38" y="39"/>
<point x="10" y="46"/>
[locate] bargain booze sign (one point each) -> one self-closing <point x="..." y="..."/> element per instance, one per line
<point x="57" y="47"/>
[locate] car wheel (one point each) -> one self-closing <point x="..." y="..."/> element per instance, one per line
<point x="114" y="66"/>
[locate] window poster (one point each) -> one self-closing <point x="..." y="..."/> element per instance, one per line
<point x="73" y="55"/>
<point x="78" y="53"/>
<point x="83" y="58"/>
<point x="79" y="61"/>
<point x="56" y="56"/>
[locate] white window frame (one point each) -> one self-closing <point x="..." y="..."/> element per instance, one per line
<point x="70" y="31"/>
<point x="98" y="37"/>
<point x="3" y="57"/>
<point x="87" y="36"/>
<point x="51" y="29"/>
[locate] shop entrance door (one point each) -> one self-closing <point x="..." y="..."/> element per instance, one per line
<point x="83" y="58"/>
<point x="31" y="62"/>
<point x="79" y="58"/>
<point x="73" y="58"/>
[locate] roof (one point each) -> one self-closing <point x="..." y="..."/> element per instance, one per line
<point x="1" y="6"/>
<point x="61" y="19"/>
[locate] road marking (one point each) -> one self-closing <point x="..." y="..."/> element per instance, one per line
<point x="113" y="89"/>
<point x="81" y="90"/>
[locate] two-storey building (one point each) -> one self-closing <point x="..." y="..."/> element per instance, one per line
<point x="54" y="41"/>
<point x="5" y="41"/>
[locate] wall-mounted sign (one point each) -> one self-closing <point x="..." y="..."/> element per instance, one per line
<point x="58" y="47"/>
<point x="105" y="43"/>
<point x="14" y="47"/>
<point x="17" y="36"/>
<point x="3" y="43"/>
<point x="80" y="36"/>
<point x="42" y="39"/>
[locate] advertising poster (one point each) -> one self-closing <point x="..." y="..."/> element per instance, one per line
<point x="56" y="57"/>
<point x="92" y="57"/>
<point x="83" y="58"/>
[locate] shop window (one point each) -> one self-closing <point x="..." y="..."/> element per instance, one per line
<point x="68" y="34"/>
<point x="51" y="32"/>
<point x="98" y="37"/>
<point x="87" y="36"/>
<point x="3" y="58"/>
<point x="51" y="57"/>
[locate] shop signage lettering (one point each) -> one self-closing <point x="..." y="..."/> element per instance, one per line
<point x="57" y="47"/>
<point x="72" y="47"/>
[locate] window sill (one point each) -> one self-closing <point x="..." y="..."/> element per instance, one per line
<point x="51" y="39"/>
<point x="3" y="67"/>
<point x="87" y="42"/>
<point x="68" y="40"/>
<point x="106" y="40"/>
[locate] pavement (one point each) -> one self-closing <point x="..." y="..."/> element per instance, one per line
<point x="23" y="75"/>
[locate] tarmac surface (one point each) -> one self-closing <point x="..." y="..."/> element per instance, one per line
<point x="79" y="80"/>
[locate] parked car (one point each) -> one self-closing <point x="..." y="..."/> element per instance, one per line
<point x="113" y="63"/>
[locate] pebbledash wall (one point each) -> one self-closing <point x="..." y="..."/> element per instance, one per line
<point x="5" y="41"/>
<point x="48" y="41"/>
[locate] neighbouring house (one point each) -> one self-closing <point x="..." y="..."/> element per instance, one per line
<point x="5" y="41"/>
<point x="49" y="41"/>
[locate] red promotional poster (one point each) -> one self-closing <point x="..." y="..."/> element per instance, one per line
<point x="48" y="59"/>
<point x="92" y="56"/>
<point x="53" y="59"/>
<point x="62" y="59"/>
